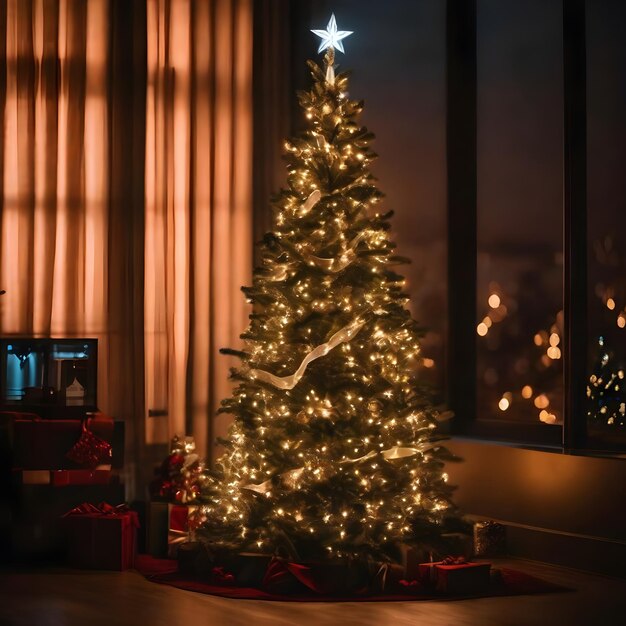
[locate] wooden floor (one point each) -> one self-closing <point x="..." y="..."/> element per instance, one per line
<point x="56" y="597"/>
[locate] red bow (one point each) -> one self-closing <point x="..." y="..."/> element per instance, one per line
<point x="454" y="560"/>
<point x="104" y="508"/>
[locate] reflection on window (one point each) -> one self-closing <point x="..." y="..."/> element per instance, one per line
<point x="606" y="199"/>
<point x="520" y="337"/>
<point x="519" y="325"/>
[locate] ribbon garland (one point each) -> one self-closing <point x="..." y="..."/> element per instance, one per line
<point x="310" y="202"/>
<point x="340" y="263"/>
<point x="263" y="487"/>
<point x="334" y="265"/>
<point x="291" y="477"/>
<point x="343" y="335"/>
<point x="348" y="255"/>
<point x="397" y="452"/>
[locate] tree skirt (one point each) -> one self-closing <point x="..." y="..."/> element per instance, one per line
<point x="165" y="572"/>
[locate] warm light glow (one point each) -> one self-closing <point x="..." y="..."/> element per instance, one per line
<point x="428" y="363"/>
<point x="527" y="392"/>
<point x="610" y="304"/>
<point x="494" y="301"/>
<point x="547" y="418"/>
<point x="554" y="339"/>
<point x="538" y="339"/>
<point x="541" y="401"/>
<point x="621" y="320"/>
<point x="554" y="353"/>
<point x="482" y="329"/>
<point x="503" y="405"/>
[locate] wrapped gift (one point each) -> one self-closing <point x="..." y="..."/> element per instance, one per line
<point x="101" y="537"/>
<point x="168" y="526"/>
<point x="179" y="477"/>
<point x="179" y="528"/>
<point x="489" y="538"/>
<point x="156" y="529"/>
<point x="33" y="477"/>
<point x="249" y="568"/>
<point x="196" y="559"/>
<point x="456" y="576"/>
<point x="64" y="478"/>
<point x="43" y="444"/>
<point x="410" y="559"/>
<point x="387" y="577"/>
<point x="465" y="578"/>
<point x="331" y="577"/>
<point x="37" y="529"/>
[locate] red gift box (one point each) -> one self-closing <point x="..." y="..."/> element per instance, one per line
<point x="101" y="537"/>
<point x="63" y="478"/>
<point x="40" y="444"/>
<point x="453" y="577"/>
<point x="178" y="529"/>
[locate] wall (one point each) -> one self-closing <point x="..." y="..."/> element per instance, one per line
<point x="559" y="508"/>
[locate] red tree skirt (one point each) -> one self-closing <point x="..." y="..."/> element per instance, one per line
<point x="165" y="572"/>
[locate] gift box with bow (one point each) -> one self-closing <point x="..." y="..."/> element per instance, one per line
<point x="169" y="526"/>
<point x="320" y="577"/>
<point x="101" y="537"/>
<point x="489" y="538"/>
<point x="455" y="575"/>
<point x="43" y="444"/>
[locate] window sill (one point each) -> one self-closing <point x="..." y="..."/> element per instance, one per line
<point x="537" y="437"/>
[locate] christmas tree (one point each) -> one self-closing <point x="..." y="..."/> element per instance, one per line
<point x="605" y="400"/>
<point x="333" y="450"/>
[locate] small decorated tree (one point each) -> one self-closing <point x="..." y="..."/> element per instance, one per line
<point x="606" y="404"/>
<point x="333" y="449"/>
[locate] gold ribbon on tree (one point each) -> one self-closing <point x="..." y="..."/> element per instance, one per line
<point x="333" y="265"/>
<point x="310" y="202"/>
<point x="342" y="261"/>
<point x="397" y="452"/>
<point x="343" y="335"/>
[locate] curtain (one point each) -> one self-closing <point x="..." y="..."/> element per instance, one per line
<point x="273" y="100"/>
<point x="126" y="199"/>
<point x="55" y="161"/>
<point x="198" y="213"/>
<point x="70" y="215"/>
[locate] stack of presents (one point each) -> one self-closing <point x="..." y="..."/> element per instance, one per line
<point x="61" y="458"/>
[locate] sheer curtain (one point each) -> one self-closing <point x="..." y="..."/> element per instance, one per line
<point x="198" y="197"/>
<point x="55" y="169"/>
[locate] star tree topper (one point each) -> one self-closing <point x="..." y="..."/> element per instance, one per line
<point x="331" y="37"/>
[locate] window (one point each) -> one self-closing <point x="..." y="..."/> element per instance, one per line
<point x="519" y="152"/>
<point x="606" y="211"/>
<point x="548" y="152"/>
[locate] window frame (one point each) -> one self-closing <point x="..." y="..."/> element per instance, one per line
<point x="461" y="121"/>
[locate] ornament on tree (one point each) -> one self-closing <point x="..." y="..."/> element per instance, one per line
<point x="333" y="450"/>
<point x="180" y="475"/>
